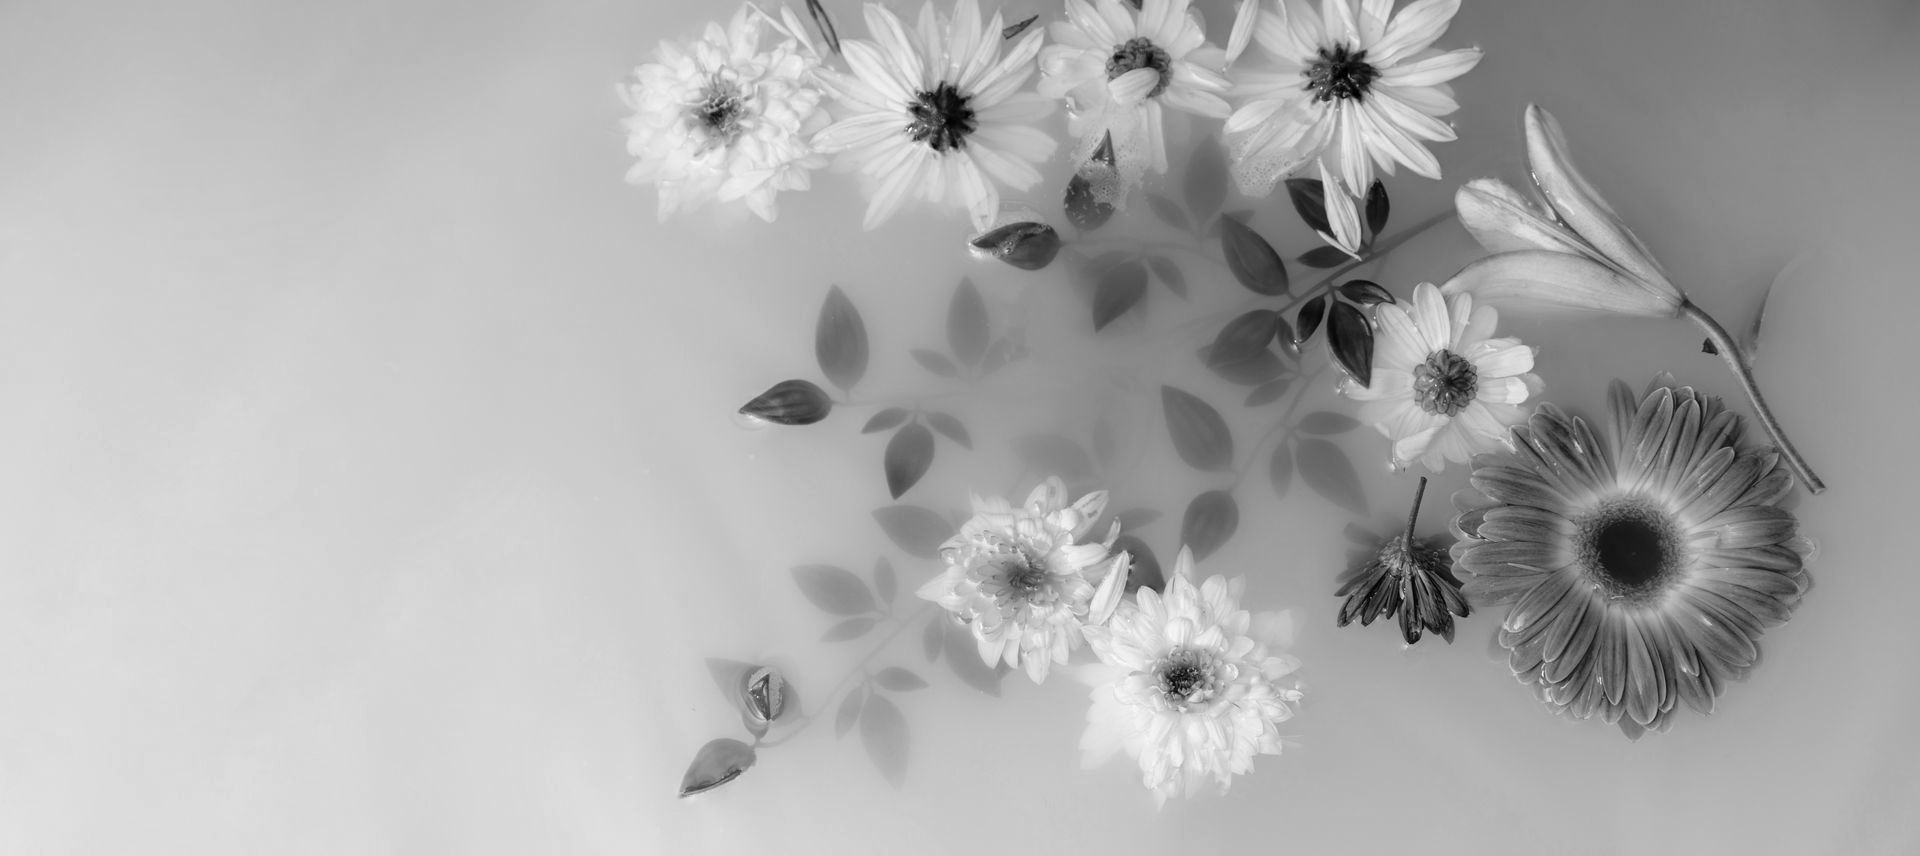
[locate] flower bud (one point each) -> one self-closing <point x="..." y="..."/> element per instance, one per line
<point x="790" y="402"/>
<point x="719" y="762"/>
<point x="1025" y="245"/>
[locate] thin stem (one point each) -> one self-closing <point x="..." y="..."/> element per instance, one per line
<point x="1413" y="515"/>
<point x="859" y="670"/>
<point x="1730" y="351"/>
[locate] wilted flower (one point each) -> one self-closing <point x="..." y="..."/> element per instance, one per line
<point x="721" y="118"/>
<point x="1641" y="568"/>
<point x="1025" y="580"/>
<point x="1408" y="575"/>
<point x="935" y="112"/>
<point x="1443" y="388"/>
<point x="1187" y="685"/>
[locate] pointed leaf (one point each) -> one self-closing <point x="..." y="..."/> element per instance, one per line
<point x="884" y="581"/>
<point x="909" y="454"/>
<point x="1350" y="337"/>
<point x="887" y="418"/>
<point x="850" y="708"/>
<point x="1327" y="470"/>
<point x="1252" y="259"/>
<point x="1134" y="518"/>
<point x="1054" y="455"/>
<point x="1260" y="368"/>
<point x="790" y="402"/>
<point x="1199" y="434"/>
<point x="1206" y="185"/>
<point x="1269" y="392"/>
<point x="1365" y="292"/>
<point x="1310" y="202"/>
<point x="933" y="638"/>
<point x="1211" y="519"/>
<point x="1144" y="572"/>
<point x="948" y="425"/>
<point x="883" y="731"/>
<point x="731" y="677"/>
<point x="916" y="530"/>
<point x="1309" y="319"/>
<point x="963" y="657"/>
<point x="1084" y="209"/>
<point x="1027" y="245"/>
<point x="1280" y="470"/>
<point x="1327" y="422"/>
<point x="1243" y="337"/>
<point x="898" y="680"/>
<point x="1169" y="211"/>
<point x="1118" y="292"/>
<point x="717" y="763"/>
<point x="1325" y="257"/>
<point x="1169" y="275"/>
<point x="1377" y="208"/>
<point x="850" y="629"/>
<point x="967" y="323"/>
<point x="836" y="590"/>
<point x="1018" y="27"/>
<point x="840" y="340"/>
<point x="935" y="362"/>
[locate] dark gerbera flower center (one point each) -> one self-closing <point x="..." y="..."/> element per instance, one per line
<point x="1629" y="549"/>
<point x="1186" y="678"/>
<point x="1445" y="383"/>
<point x="1339" y="73"/>
<point x="1139" y="53"/>
<point x="721" y="107"/>
<point x="941" y="118"/>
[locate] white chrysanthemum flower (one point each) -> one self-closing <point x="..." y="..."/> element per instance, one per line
<point x="1187" y="685"/>
<point x="1026" y="580"/>
<point x="1116" y="67"/>
<point x="936" y="112"/>
<point x="1443" y="388"/>
<point x="720" y="118"/>
<point x="1353" y="84"/>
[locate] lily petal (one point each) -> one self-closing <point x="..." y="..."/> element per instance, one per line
<point x="1502" y="220"/>
<point x="1577" y="203"/>
<point x="1548" y="282"/>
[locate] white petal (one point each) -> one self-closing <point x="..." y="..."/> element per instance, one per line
<point x="1502" y="220"/>
<point x="1432" y="70"/>
<point x="1547" y="282"/>
<point x="1245" y="19"/>
<point x="1418" y="25"/>
<point x="1582" y="207"/>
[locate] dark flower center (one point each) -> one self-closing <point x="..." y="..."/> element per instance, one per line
<point x="1339" y="73"/>
<point x="1445" y="383"/>
<point x="1025" y="579"/>
<point x="941" y="118"/>
<point x="1139" y="53"/>
<point x="1629" y="549"/>
<point x="1186" y="678"/>
<point x="720" y="109"/>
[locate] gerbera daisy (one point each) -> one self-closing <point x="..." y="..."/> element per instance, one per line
<point x="1353" y="84"/>
<point x="1186" y="688"/>
<point x="1639" y="571"/>
<point x="1117" y="66"/>
<point x="935" y="112"/>
<point x="1026" y="580"/>
<point x="1409" y="575"/>
<point x="1443" y="387"/>
<point x="720" y="118"/>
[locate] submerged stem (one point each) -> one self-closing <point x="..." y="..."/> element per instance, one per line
<point x="1730" y="351"/>
<point x="1413" y="514"/>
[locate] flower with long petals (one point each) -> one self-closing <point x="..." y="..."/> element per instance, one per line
<point x="1188" y="686"/>
<point x="1576" y="256"/>
<point x="1354" y="85"/>
<point x="722" y="118"/>
<point x="1443" y="387"/>
<point x="1121" y="69"/>
<point x="935" y="112"/>
<point x="1027" y="581"/>
<point x="1404" y="574"/>
<point x="1638" y="570"/>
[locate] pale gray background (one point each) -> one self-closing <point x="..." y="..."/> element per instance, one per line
<point x="367" y="481"/>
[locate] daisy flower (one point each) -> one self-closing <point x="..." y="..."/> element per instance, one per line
<point x="1119" y="69"/>
<point x="719" y="118"/>
<point x="1354" y="84"/>
<point x="1027" y="581"/>
<point x="1443" y="387"/>
<point x="1639" y="571"/>
<point x="935" y="112"/>
<point x="1187" y="686"/>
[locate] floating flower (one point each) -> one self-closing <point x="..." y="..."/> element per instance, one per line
<point x="1408" y="575"/>
<point x="1639" y="572"/>
<point x="720" y="118"/>
<point x="1120" y="69"/>
<point x="1352" y="85"/>
<point x="1026" y="581"/>
<point x="1579" y="256"/>
<point x="1187" y="686"/>
<point x="1443" y="388"/>
<point x="936" y="113"/>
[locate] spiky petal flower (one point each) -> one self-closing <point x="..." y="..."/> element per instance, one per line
<point x="1189" y="686"/>
<point x="1027" y="581"/>
<point x="936" y="112"/>
<point x="720" y="118"/>
<point x="1638" y="571"/>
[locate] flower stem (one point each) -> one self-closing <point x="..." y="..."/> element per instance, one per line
<point x="1413" y="514"/>
<point x="1730" y="351"/>
<point x="859" y="669"/>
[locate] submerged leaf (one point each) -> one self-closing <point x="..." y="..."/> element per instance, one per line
<point x="1119" y="291"/>
<point x="883" y="580"/>
<point x="949" y="425"/>
<point x="836" y="590"/>
<point x="1252" y="260"/>
<point x="933" y="638"/>
<point x="917" y="530"/>
<point x="1054" y="455"/>
<point x="1269" y="392"/>
<point x="1257" y="369"/>
<point x="1018" y="27"/>
<point x="840" y="340"/>
<point x="898" y="680"/>
<point x="1327" y="470"/>
<point x="850" y="629"/>
<point x="1327" y="422"/>
<point x="849" y="712"/>
<point x="717" y="763"/>
<point x="1243" y="337"/>
<point x="1310" y="202"/>
<point x="1325" y="257"/>
<point x="883" y="731"/>
<point x="1199" y="434"/>
<point x="935" y="362"/>
<point x="887" y="418"/>
<point x="1211" y="519"/>
<point x="909" y="455"/>
<point x="967" y="323"/>
<point x="1169" y="274"/>
<point x="790" y="402"/>
<point x="1280" y="470"/>
<point x="1206" y="184"/>
<point x="1350" y="338"/>
<point x="1168" y="210"/>
<point x="963" y="657"/>
<point x="1365" y="292"/>
<point x="1144" y="568"/>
